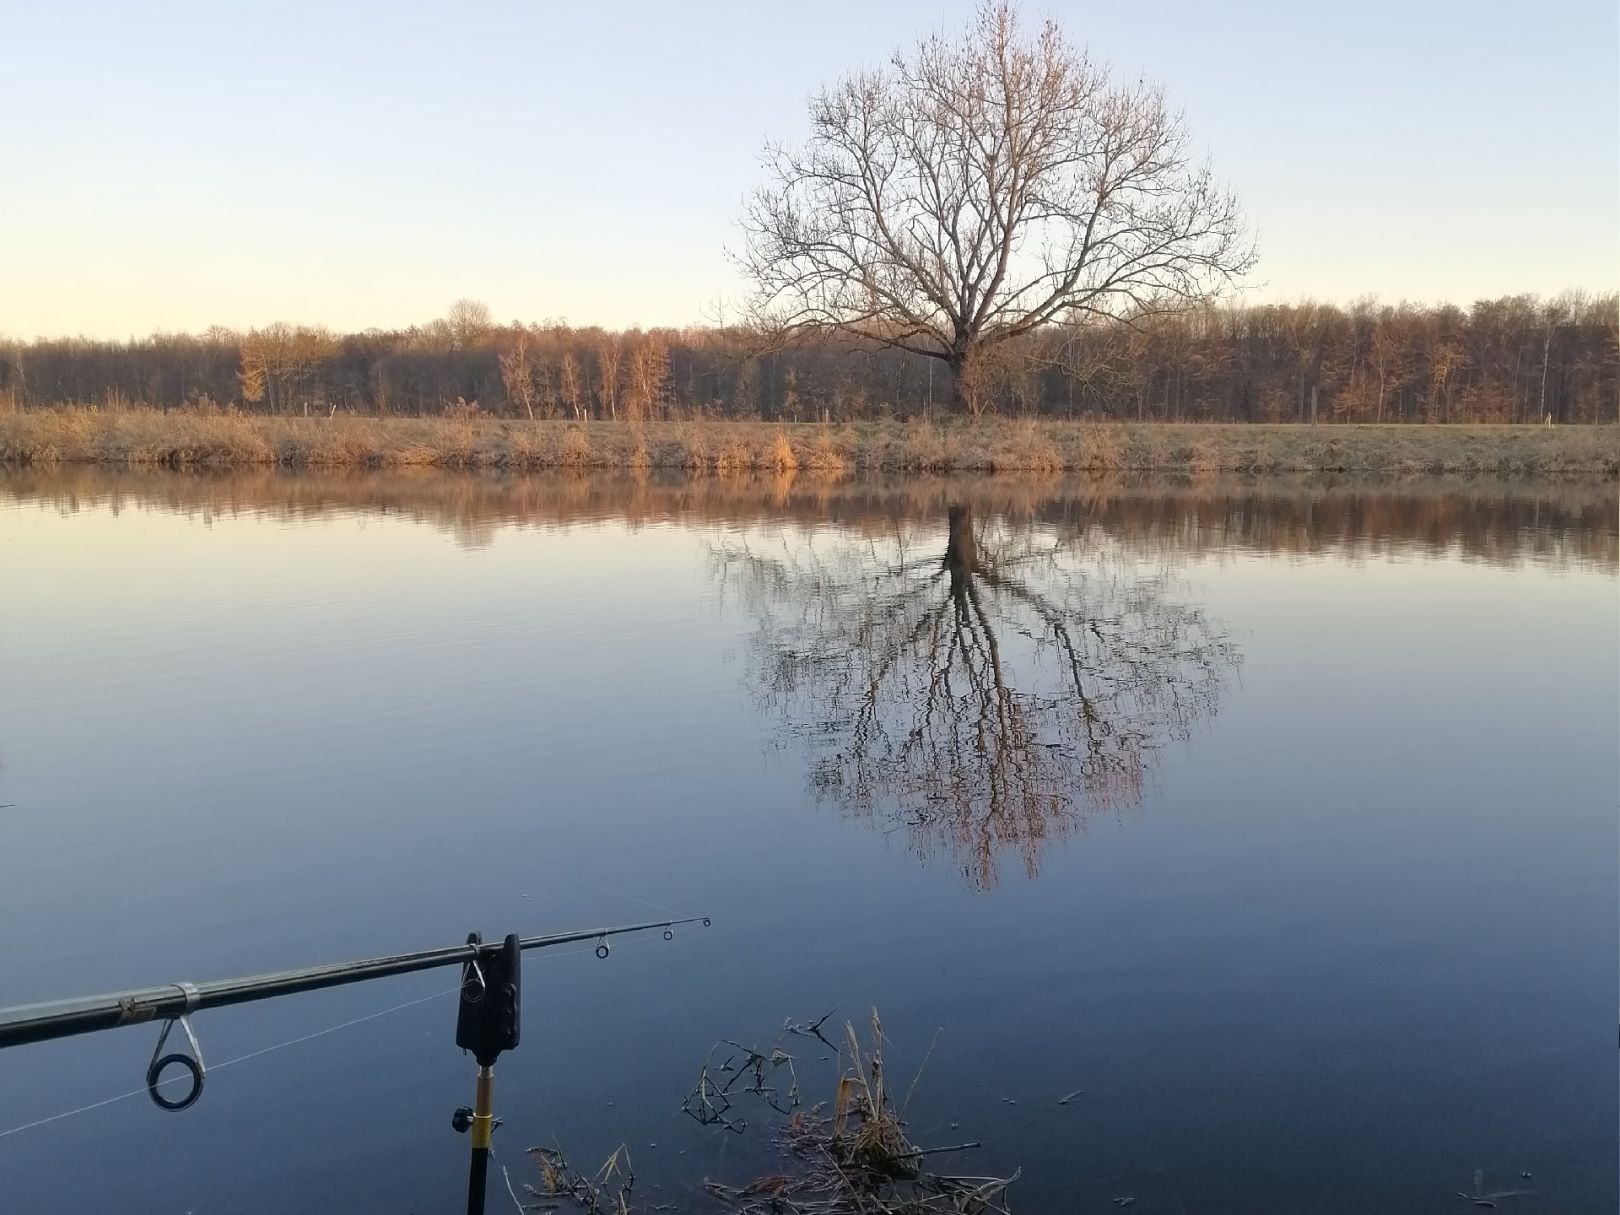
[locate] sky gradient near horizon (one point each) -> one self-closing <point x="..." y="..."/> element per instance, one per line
<point x="366" y="164"/>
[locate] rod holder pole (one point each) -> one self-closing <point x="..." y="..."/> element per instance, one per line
<point x="483" y="1127"/>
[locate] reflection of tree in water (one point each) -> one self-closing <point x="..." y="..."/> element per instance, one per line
<point x="987" y="701"/>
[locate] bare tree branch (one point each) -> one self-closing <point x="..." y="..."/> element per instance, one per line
<point x="981" y="187"/>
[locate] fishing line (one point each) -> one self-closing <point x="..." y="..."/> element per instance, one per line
<point x="214" y="1067"/>
<point x="253" y="1054"/>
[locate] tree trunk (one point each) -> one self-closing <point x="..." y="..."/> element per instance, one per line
<point x="1546" y="352"/>
<point x="961" y="391"/>
<point x="961" y="550"/>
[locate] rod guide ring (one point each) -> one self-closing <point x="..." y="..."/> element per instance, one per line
<point x="193" y="1063"/>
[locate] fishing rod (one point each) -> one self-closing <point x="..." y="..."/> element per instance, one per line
<point x="488" y="1017"/>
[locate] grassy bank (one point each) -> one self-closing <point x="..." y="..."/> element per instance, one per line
<point x="223" y="440"/>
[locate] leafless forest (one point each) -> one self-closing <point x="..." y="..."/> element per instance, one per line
<point x="1513" y="360"/>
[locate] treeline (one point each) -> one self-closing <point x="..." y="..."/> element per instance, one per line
<point x="1514" y="359"/>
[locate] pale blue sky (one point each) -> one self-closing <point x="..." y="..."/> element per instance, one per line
<point x="174" y="165"/>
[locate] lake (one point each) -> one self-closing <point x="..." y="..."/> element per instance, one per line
<point x="1279" y="818"/>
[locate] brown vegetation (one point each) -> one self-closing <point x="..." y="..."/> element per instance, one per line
<point x="213" y="438"/>
<point x="850" y="1155"/>
<point x="1515" y="360"/>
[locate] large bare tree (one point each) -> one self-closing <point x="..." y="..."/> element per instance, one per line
<point x="978" y="188"/>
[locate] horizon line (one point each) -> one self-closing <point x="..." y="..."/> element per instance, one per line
<point x="1572" y="294"/>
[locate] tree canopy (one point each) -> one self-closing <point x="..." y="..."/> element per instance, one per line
<point x="979" y="188"/>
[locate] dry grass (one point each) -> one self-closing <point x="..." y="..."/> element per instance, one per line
<point x="783" y="457"/>
<point x="854" y="1158"/>
<point x="223" y="439"/>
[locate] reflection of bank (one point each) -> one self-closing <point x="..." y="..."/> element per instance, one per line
<point x="987" y="701"/>
<point x="1498" y="520"/>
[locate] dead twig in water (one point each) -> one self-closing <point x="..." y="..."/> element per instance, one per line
<point x="855" y="1159"/>
<point x="852" y="1159"/>
<point x="596" y="1194"/>
<point x="813" y="1029"/>
<point x="1480" y="1198"/>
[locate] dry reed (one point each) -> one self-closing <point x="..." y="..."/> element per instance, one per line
<point x="852" y="1159"/>
<point x="216" y="438"/>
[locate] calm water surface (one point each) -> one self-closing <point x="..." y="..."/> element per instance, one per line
<point x="1280" y="819"/>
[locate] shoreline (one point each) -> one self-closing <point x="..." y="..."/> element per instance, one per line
<point x="1494" y="519"/>
<point x="225" y="439"/>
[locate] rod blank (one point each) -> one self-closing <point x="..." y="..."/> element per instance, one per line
<point x="87" y="1014"/>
